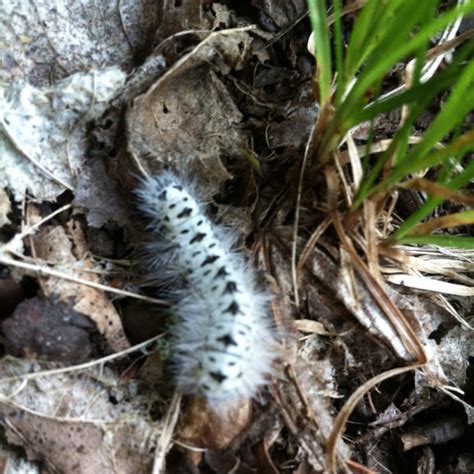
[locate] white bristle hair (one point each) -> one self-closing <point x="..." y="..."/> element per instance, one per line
<point x="223" y="338"/>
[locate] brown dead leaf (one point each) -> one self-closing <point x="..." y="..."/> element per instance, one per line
<point x="49" y="330"/>
<point x="187" y="119"/>
<point x="77" y="445"/>
<point x="294" y="130"/>
<point x="68" y="248"/>
<point x="206" y="428"/>
<point x="77" y="419"/>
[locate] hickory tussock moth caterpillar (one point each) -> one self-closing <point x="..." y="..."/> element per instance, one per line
<point x="224" y="343"/>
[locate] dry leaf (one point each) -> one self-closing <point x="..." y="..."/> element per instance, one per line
<point x="206" y="428"/>
<point x="48" y="330"/>
<point x="45" y="40"/>
<point x="42" y="131"/>
<point x="68" y="250"/>
<point x="188" y="119"/>
<point x="72" y="414"/>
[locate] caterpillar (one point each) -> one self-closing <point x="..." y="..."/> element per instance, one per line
<point x="224" y="344"/>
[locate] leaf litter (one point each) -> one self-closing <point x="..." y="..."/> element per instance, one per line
<point x="215" y="85"/>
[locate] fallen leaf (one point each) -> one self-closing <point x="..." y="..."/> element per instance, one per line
<point x="49" y="330"/>
<point x="187" y="119"/>
<point x="42" y="131"/>
<point x="67" y="249"/>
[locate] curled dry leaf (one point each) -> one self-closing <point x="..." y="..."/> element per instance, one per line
<point x="68" y="248"/>
<point x="42" y="131"/>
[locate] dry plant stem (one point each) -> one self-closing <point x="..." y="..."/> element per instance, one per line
<point x="377" y="147"/>
<point x="347" y="409"/>
<point x="302" y="396"/>
<point x="140" y="166"/>
<point x="444" y="222"/>
<point x="371" y="250"/>
<point x="354" y="157"/>
<point x="346" y="189"/>
<point x="401" y="326"/>
<point x="358" y="468"/>
<point x="63" y="419"/>
<point x="311" y="243"/>
<point x="434" y="189"/>
<point x="400" y="420"/>
<point x="294" y="275"/>
<point x="163" y="444"/>
<point x="430" y="284"/>
<point x="438" y="431"/>
<point x="389" y="213"/>
<point x="79" y="367"/>
<point x="450" y="45"/>
<point x="311" y="146"/>
<point x="45" y="271"/>
<point x="276" y="313"/>
<point x="29" y="229"/>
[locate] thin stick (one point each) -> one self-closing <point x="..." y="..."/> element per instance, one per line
<point x="294" y="273"/>
<point x="163" y="444"/>
<point x="81" y="281"/>
<point x="84" y="366"/>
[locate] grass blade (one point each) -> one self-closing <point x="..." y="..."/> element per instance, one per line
<point x="319" y="23"/>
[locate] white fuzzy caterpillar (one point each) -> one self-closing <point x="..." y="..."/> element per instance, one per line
<point x="224" y="343"/>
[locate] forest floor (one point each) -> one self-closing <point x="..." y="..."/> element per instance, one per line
<point x="96" y="94"/>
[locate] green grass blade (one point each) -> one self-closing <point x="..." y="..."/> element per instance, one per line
<point x="440" y="241"/>
<point x="361" y="30"/>
<point x="398" y="145"/>
<point x="319" y="23"/>
<point x="379" y="65"/>
<point x="454" y="110"/>
<point x="459" y="146"/>
<point x="453" y="184"/>
<point x="339" y="51"/>
<point x="431" y="88"/>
